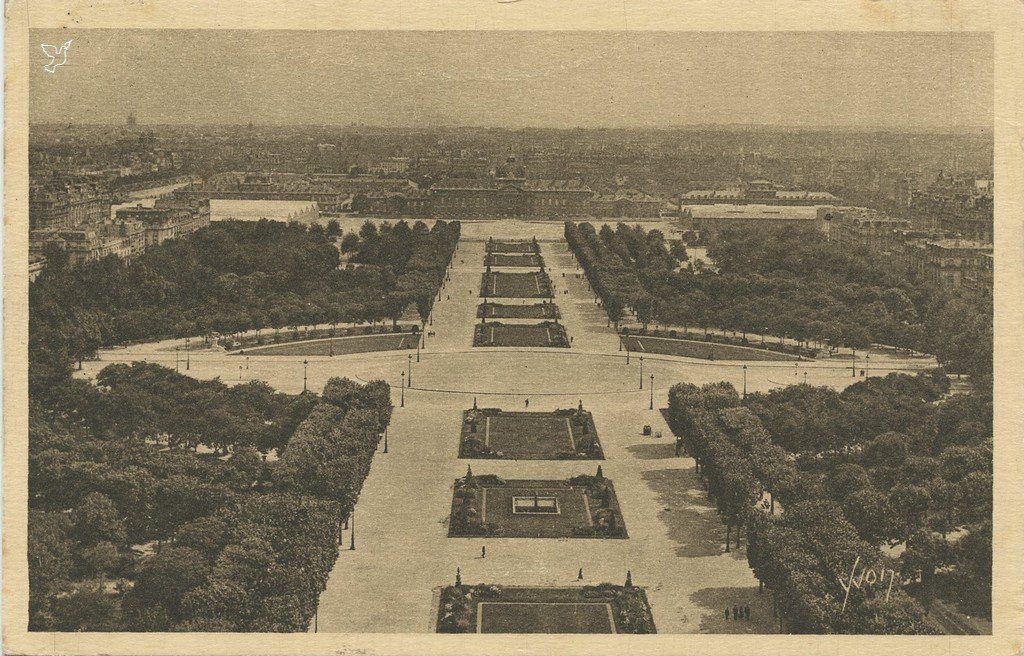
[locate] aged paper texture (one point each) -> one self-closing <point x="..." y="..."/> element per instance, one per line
<point x="595" y="327"/>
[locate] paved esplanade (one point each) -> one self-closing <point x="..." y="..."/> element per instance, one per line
<point x="675" y="546"/>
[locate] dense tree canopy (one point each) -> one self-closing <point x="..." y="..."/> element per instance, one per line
<point x="873" y="467"/>
<point x="787" y="282"/>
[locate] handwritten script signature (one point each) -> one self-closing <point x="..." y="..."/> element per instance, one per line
<point x="868" y="577"/>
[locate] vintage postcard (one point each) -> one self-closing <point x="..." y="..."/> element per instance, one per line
<point x="594" y="327"/>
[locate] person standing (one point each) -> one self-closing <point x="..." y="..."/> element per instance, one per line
<point x="746" y="612"/>
<point x="726" y="613"/>
<point x="483" y="552"/>
<point x="579" y="577"/>
<point x="527" y="403"/>
<point x="735" y="612"/>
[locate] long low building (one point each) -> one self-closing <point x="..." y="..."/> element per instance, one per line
<point x="709" y="219"/>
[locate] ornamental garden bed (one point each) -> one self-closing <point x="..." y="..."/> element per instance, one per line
<point x="547" y="333"/>
<point x="486" y="608"/>
<point x="504" y="311"/>
<point x="513" y="260"/>
<point x="268" y="337"/>
<point x="501" y="284"/>
<point x="580" y="507"/>
<point x="559" y="435"/>
<point x="512" y="246"/>
<point x="758" y="343"/>
<point x="338" y="345"/>
<point x="709" y="350"/>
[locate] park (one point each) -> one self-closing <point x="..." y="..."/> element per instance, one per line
<point x="541" y="520"/>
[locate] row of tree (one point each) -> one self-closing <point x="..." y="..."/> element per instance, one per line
<point x="232" y="277"/>
<point x="788" y="282"/>
<point x="801" y="555"/>
<point x="867" y="491"/>
<point x="241" y="543"/>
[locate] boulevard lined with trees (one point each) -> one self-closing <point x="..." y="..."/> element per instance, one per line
<point x="819" y="481"/>
<point x="153" y="504"/>
<point x="127" y="535"/>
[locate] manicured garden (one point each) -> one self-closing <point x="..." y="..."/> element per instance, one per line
<point x="512" y="246"/>
<point x="604" y="608"/>
<point x="500" y="284"/>
<point x="339" y="345"/>
<point x="547" y="333"/>
<point x="689" y="348"/>
<point x="507" y="260"/>
<point x="581" y="507"/>
<point x="533" y="311"/>
<point x="558" y="435"/>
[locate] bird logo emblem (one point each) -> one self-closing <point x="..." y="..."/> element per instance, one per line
<point x="58" y="56"/>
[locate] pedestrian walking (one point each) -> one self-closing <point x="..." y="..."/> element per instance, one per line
<point x="579" y="577"/>
<point x="483" y="552"/>
<point x="527" y="403"/>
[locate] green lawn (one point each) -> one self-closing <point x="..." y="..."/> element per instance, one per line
<point x="498" y="334"/>
<point x="541" y="617"/>
<point x="338" y="345"/>
<point x="698" y="349"/>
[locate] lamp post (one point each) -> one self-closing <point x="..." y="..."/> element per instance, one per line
<point x="305" y="372"/>
<point x="744" y="381"/>
<point x="627" y="354"/>
<point x="652" y="392"/>
<point x="177" y="359"/>
<point x="188" y="355"/>
<point x="402" y="404"/>
<point x="853" y="365"/>
<point x="352" y="532"/>
<point x="385" y="439"/>
<point x="867" y="365"/>
<point x="410" y="370"/>
<point x="418" y="346"/>
<point x="247" y="363"/>
<point x="641" y="372"/>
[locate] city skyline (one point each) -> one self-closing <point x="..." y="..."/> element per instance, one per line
<point x="612" y="80"/>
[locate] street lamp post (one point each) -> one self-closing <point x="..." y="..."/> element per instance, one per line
<point x="410" y="370"/>
<point x="418" y="346"/>
<point x="641" y="372"/>
<point x="247" y="363"/>
<point x="352" y="532"/>
<point x="853" y="365"/>
<point x="744" y="381"/>
<point x="177" y="359"/>
<point x="867" y="365"/>
<point x="188" y="355"/>
<point x="385" y="439"/>
<point x="652" y="392"/>
<point x="305" y="374"/>
<point x="402" y="404"/>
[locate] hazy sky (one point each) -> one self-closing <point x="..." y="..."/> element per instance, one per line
<point x="514" y="79"/>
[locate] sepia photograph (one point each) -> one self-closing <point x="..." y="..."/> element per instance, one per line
<point x="341" y="331"/>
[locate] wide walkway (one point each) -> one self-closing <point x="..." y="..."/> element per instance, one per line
<point x="403" y="555"/>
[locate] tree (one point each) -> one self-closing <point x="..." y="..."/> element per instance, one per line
<point x="85" y="609"/>
<point x="162" y="583"/>
<point x="97" y="519"/>
<point x="333" y="228"/>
